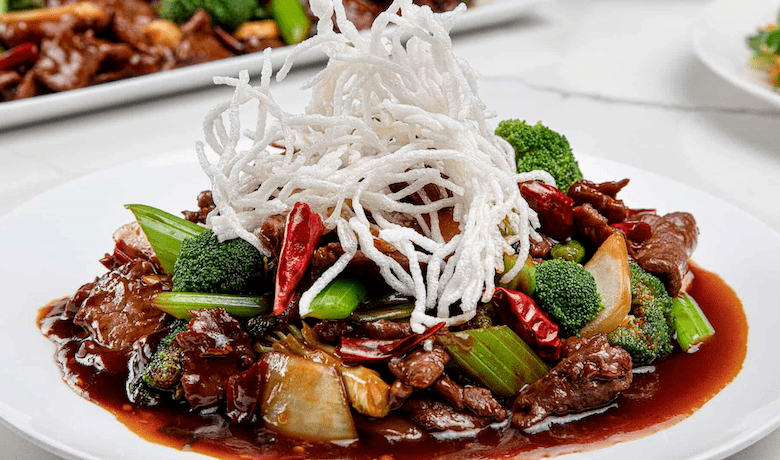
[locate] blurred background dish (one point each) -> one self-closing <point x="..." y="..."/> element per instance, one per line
<point x="481" y="14"/>
<point x="719" y="40"/>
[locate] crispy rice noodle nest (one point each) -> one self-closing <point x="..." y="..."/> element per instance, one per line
<point x="395" y="106"/>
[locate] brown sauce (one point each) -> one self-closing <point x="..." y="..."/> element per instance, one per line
<point x="681" y="384"/>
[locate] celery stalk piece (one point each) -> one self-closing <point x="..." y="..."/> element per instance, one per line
<point x="294" y="23"/>
<point x="338" y="300"/>
<point x="691" y="324"/>
<point x="179" y="304"/>
<point x="496" y="357"/>
<point x="165" y="232"/>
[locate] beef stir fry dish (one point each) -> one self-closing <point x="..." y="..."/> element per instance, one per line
<point x="48" y="46"/>
<point x="389" y="276"/>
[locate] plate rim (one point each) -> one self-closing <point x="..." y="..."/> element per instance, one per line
<point x="702" y="51"/>
<point x="57" y="447"/>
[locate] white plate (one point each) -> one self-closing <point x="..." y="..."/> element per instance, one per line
<point x="51" y="244"/>
<point x="487" y="13"/>
<point x="719" y="40"/>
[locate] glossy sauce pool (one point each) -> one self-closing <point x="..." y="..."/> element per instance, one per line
<point x="681" y="384"/>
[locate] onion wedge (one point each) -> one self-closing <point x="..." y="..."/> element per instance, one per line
<point x="305" y="400"/>
<point x="609" y="266"/>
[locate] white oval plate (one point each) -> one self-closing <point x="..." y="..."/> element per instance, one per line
<point x="51" y="244"/>
<point x="719" y="40"/>
<point x="487" y="13"/>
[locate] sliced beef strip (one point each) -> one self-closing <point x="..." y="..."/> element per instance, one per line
<point x="205" y="206"/>
<point x="591" y="374"/>
<point x="132" y="236"/>
<point x="271" y="234"/>
<point x="15" y="33"/>
<point x="607" y="205"/>
<point x="592" y="227"/>
<point x="434" y="415"/>
<point x="362" y="12"/>
<point x="479" y="400"/>
<point x="386" y="330"/>
<point x="421" y="367"/>
<point x="610" y="188"/>
<point x="9" y="81"/>
<point x="198" y="42"/>
<point x="666" y="252"/>
<point x="324" y="256"/>
<point x="243" y="392"/>
<point x="118" y="311"/>
<point x="213" y="348"/>
<point x="69" y="61"/>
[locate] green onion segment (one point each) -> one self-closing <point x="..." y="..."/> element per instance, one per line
<point x="179" y="304"/>
<point x="293" y="21"/>
<point x="165" y="232"/>
<point x="338" y="300"/>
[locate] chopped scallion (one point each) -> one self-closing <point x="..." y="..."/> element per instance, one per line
<point x="165" y="232"/>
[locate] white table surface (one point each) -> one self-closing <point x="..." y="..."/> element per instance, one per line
<point x="618" y="78"/>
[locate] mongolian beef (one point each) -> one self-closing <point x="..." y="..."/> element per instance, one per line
<point x="387" y="275"/>
<point x="48" y="46"/>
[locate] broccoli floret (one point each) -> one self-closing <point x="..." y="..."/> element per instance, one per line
<point x="150" y="380"/>
<point x="568" y="293"/>
<point x="164" y="370"/>
<point x="648" y="332"/>
<point x="208" y="266"/>
<point x="227" y="13"/>
<point x="538" y="147"/>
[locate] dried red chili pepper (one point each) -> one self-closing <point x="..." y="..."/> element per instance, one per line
<point x="530" y="322"/>
<point x="353" y="350"/>
<point x="301" y="234"/>
<point x="555" y="208"/>
<point x="26" y="53"/>
<point x="635" y="231"/>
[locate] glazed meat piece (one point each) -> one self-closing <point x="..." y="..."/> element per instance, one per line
<point x="271" y="234"/>
<point x="386" y="330"/>
<point x="9" y="80"/>
<point x="205" y="206"/>
<point x="436" y="415"/>
<point x="117" y="311"/>
<point x="324" y="256"/>
<point x="47" y="24"/>
<point x="606" y="204"/>
<point x="243" y="392"/>
<point x="198" y="42"/>
<point x="666" y="252"/>
<point x="591" y="374"/>
<point x="213" y="348"/>
<point x="479" y="400"/>
<point x="362" y="12"/>
<point x="592" y="227"/>
<point x="332" y="330"/>
<point x="420" y="368"/>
